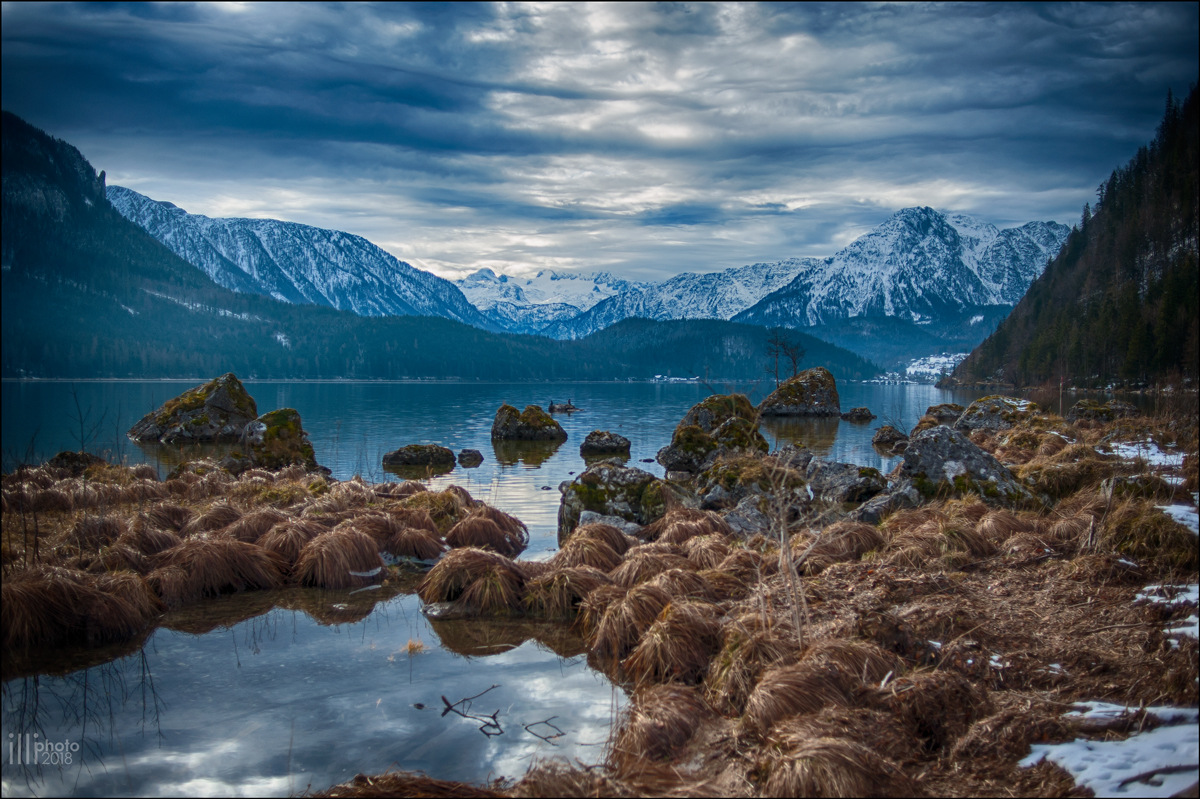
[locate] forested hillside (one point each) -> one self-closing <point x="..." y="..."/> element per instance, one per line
<point x="87" y="293"/>
<point x="1119" y="303"/>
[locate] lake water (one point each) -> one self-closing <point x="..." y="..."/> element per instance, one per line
<point x="268" y="693"/>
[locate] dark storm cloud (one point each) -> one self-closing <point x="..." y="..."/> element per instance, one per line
<point x="644" y="138"/>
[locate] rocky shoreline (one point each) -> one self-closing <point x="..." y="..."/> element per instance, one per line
<point x="783" y="624"/>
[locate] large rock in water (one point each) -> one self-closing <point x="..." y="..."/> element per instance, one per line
<point x="813" y="392"/>
<point x="603" y="442"/>
<point x="277" y="439"/>
<point x="533" y="424"/>
<point x="942" y="461"/>
<point x="219" y="410"/>
<point x="994" y="413"/>
<point x="419" y="455"/>
<point x="611" y="490"/>
<point x="723" y="424"/>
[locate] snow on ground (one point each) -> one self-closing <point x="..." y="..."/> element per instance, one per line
<point x="1111" y="768"/>
<point x="1170" y="594"/>
<point x="932" y="367"/>
<point x="1148" y="451"/>
<point x="1186" y="515"/>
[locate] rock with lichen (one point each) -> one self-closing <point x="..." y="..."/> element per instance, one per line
<point x="858" y="415"/>
<point x="888" y="438"/>
<point x="1101" y="412"/>
<point x="943" y="462"/>
<point x="419" y="455"/>
<point x="603" y="442"/>
<point x="813" y="392"/>
<point x="720" y="425"/>
<point x="532" y="424"/>
<point x="610" y="489"/>
<point x="843" y="482"/>
<point x="994" y="413"/>
<point x="278" y="439"/>
<point x="725" y="482"/>
<point x="217" y="411"/>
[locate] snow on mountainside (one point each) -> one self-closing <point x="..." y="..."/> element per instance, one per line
<point x="298" y="263"/>
<point x="485" y="289"/>
<point x="716" y="295"/>
<point x="919" y="265"/>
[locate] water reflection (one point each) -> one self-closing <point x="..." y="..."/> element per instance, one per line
<point x="419" y="472"/>
<point x="472" y="638"/>
<point x="816" y="434"/>
<point x="529" y="453"/>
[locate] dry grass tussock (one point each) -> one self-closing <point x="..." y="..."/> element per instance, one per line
<point x="937" y="706"/>
<point x="625" y="620"/>
<point x="414" y="517"/>
<point x="557" y="593"/>
<point x="677" y="646"/>
<point x="747" y="649"/>
<point x="340" y="558"/>
<point x="485" y="580"/>
<point x="148" y="539"/>
<point x="288" y="538"/>
<point x="794" y="690"/>
<point x="1136" y="529"/>
<point x="483" y="533"/>
<point x="660" y="719"/>
<point x="400" y="490"/>
<point x="618" y="541"/>
<point x="169" y="516"/>
<point x="253" y="525"/>
<point x="52" y="605"/>
<point x="880" y="732"/>
<point x="593" y="607"/>
<point x="725" y="587"/>
<point x="445" y="508"/>
<point x="747" y="565"/>
<point x="405" y="784"/>
<point x="641" y="565"/>
<point x="511" y="525"/>
<point x="684" y="584"/>
<point x="869" y="661"/>
<point x="217" y="517"/>
<point x="706" y="551"/>
<point x="379" y="526"/>
<point x="93" y="532"/>
<point x="410" y="542"/>
<point x="200" y="567"/>
<point x="640" y="777"/>
<point x="840" y="541"/>
<point x="586" y="551"/>
<point x="833" y="767"/>
<point x="709" y="521"/>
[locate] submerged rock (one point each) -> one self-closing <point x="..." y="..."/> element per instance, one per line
<point x="217" y="411"/>
<point x="813" y="392"/>
<point x="943" y="461"/>
<point x="995" y="413"/>
<point x="470" y="458"/>
<point x="602" y="442"/>
<point x="419" y="455"/>
<point x="611" y="490"/>
<point x="858" y="415"/>
<point x="562" y="407"/>
<point x="1095" y="411"/>
<point x="887" y="438"/>
<point x="720" y="425"/>
<point x="278" y="439"/>
<point x="533" y="424"/>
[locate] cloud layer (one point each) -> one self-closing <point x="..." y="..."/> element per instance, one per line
<point x="643" y="139"/>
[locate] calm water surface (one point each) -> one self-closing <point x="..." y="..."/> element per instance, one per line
<point x="268" y="693"/>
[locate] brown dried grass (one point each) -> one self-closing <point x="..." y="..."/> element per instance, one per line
<point x="253" y="525"/>
<point x="593" y="607"/>
<point x="660" y="720"/>
<point x="215" y="518"/>
<point x="865" y="659"/>
<point x="746" y="565"/>
<point x="680" y="531"/>
<point x="794" y="690"/>
<point x="288" y="538"/>
<point x="511" y="525"/>
<point x="407" y="785"/>
<point x="340" y="558"/>
<point x="880" y="732"/>
<point x="706" y="551"/>
<point x="841" y="541"/>
<point x="713" y="523"/>
<point x="39" y="607"/>
<point x="747" y="649"/>
<point x="1051" y="444"/>
<point x="148" y="539"/>
<point x="641" y="565"/>
<point x="677" y="646"/>
<point x="586" y="551"/>
<point x="1009" y="733"/>
<point x="1136" y="529"/>
<point x="500" y="580"/>
<point x="625" y="620"/>
<point x="1000" y="525"/>
<point x="483" y="533"/>
<point x="684" y="584"/>
<point x="414" y="517"/>
<point x="120" y="557"/>
<point x="202" y="566"/>
<point x="558" y="593"/>
<point x="169" y="516"/>
<point x="51" y="500"/>
<point x="94" y="532"/>
<point x="379" y="526"/>
<point x="833" y="767"/>
<point x="410" y="542"/>
<point x="618" y="541"/>
<point x="726" y="587"/>
<point x="937" y="706"/>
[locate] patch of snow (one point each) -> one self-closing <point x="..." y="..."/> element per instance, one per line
<point x="976" y="319"/>
<point x="126" y="307"/>
<point x="1056" y="668"/>
<point x="936" y="644"/>
<point x="995" y="662"/>
<point x="1170" y="594"/>
<point x="1108" y="767"/>
<point x="1148" y="451"/>
<point x="1128" y="563"/>
<point x="1189" y="517"/>
<point x="1107" y="711"/>
<point x="283" y="339"/>
<point x="1189" y="627"/>
<point x="932" y="367"/>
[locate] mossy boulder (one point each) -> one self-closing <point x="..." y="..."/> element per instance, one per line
<point x="278" y="439"/>
<point x="943" y="462"/>
<point x="217" y="411"/>
<point x="813" y="392"/>
<point x="602" y="442"/>
<point x="843" y="482"/>
<point x="946" y="412"/>
<point x="887" y="438"/>
<point x="610" y="489"/>
<point x="995" y="413"/>
<point x="724" y="424"/>
<point x="532" y="424"/>
<point x="75" y="462"/>
<point x="1101" y="412"/>
<point x="728" y="480"/>
<point x="419" y="455"/>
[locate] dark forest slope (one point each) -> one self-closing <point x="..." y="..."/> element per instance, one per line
<point x="1119" y="303"/>
<point x="87" y="293"/>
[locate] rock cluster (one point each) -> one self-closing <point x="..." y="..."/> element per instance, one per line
<point x="278" y="439"/>
<point x="721" y="425"/>
<point x="889" y="439"/>
<point x="533" y="424"/>
<point x="610" y="489"/>
<point x="813" y="392"/>
<point x="994" y="413"/>
<point x="217" y="411"/>
<point x="943" y="461"/>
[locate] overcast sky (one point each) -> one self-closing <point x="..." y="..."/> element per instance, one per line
<point x="645" y="140"/>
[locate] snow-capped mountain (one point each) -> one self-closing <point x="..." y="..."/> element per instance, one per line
<point x="716" y="295"/>
<point x="920" y="266"/>
<point x="298" y="263"/>
<point x="485" y="288"/>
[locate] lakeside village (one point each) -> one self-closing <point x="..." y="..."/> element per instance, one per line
<point x="1012" y="610"/>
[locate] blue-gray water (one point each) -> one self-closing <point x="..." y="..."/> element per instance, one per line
<point x="273" y="702"/>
